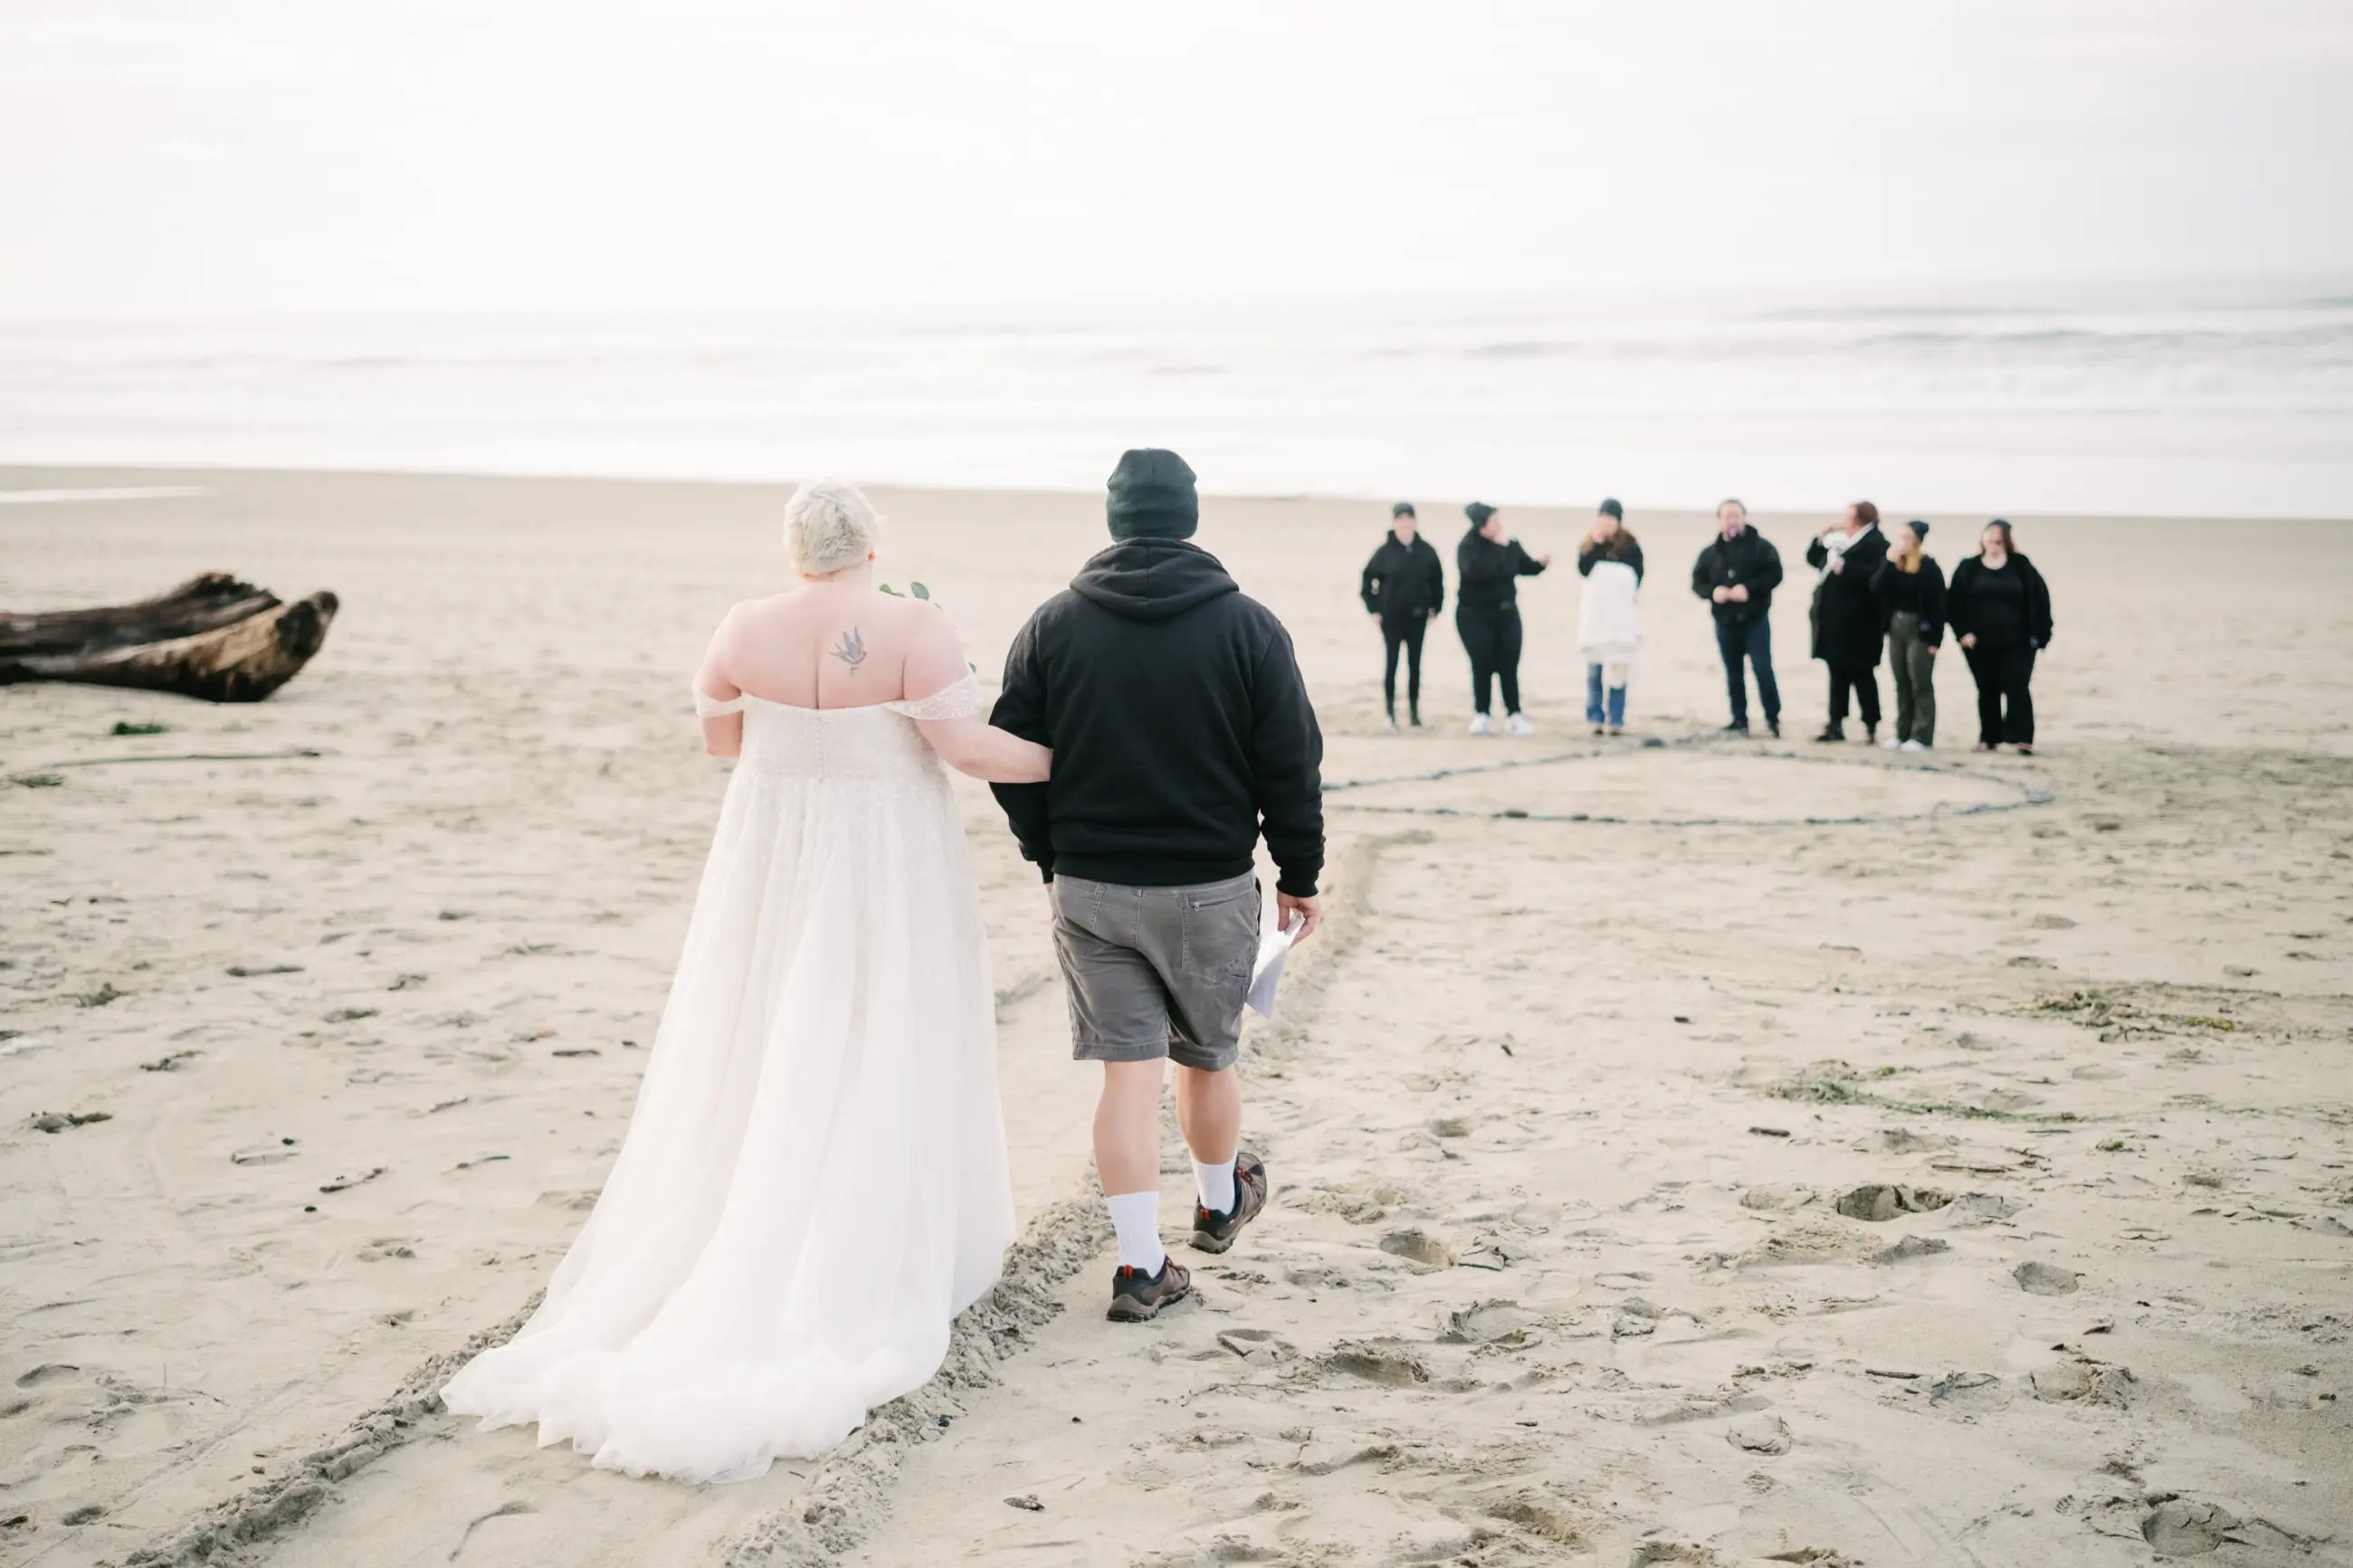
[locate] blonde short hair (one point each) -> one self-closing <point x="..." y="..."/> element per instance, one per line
<point x="830" y="526"/>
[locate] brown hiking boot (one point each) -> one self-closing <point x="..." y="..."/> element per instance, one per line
<point x="1216" y="1232"/>
<point x="1137" y="1296"/>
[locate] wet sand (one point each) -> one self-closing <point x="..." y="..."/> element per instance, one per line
<point x="1684" y="1152"/>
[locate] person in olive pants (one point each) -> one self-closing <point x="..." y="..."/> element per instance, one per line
<point x="1910" y="587"/>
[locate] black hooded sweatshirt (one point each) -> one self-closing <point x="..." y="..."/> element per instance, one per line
<point x="1748" y="559"/>
<point x="1403" y="581"/>
<point x="1179" y="725"/>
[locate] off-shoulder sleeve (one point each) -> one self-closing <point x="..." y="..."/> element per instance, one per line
<point x="709" y="707"/>
<point x="959" y="700"/>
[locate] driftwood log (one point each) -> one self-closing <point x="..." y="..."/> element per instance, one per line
<point x="213" y="637"/>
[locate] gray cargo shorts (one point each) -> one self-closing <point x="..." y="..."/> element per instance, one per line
<point x="1157" y="972"/>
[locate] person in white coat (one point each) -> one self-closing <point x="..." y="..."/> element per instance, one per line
<point x="1609" y="616"/>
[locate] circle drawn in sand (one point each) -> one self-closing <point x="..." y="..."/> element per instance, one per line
<point x="1690" y="783"/>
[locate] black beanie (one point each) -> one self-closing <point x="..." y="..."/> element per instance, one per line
<point x="1610" y="508"/>
<point x="1402" y="509"/>
<point x="1478" y="512"/>
<point x="1916" y="526"/>
<point x="1152" y="497"/>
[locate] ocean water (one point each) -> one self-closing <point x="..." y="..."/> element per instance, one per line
<point x="2202" y="401"/>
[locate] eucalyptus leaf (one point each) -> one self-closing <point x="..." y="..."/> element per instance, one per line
<point x="920" y="590"/>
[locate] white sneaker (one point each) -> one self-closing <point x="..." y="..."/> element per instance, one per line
<point x="1891" y="744"/>
<point x="1481" y="725"/>
<point x="1518" y="725"/>
<point x="1911" y="746"/>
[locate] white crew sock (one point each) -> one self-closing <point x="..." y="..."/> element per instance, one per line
<point x="1216" y="1185"/>
<point x="1136" y="1217"/>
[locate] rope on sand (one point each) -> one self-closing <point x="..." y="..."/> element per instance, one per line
<point x="2027" y="795"/>
<point x="41" y="777"/>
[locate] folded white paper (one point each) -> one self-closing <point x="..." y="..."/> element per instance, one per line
<point x="1267" y="976"/>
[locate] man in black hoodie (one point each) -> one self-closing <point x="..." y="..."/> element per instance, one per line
<point x="1181" y="732"/>
<point x="1403" y="586"/>
<point x="1738" y="573"/>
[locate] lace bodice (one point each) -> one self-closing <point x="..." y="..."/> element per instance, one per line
<point x="877" y="741"/>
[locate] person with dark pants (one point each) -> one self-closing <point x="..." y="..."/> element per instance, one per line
<point x="2000" y="611"/>
<point x="1736" y="573"/>
<point x="1910" y="587"/>
<point x="1847" y="627"/>
<point x="1403" y="587"/>
<point x="1488" y="565"/>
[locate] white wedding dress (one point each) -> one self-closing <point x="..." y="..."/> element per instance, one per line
<point x="814" y="1180"/>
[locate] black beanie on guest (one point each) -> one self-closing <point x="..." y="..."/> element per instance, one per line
<point x="1610" y="508"/>
<point x="1152" y="497"/>
<point x="1478" y="512"/>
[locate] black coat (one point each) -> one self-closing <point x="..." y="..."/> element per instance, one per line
<point x="1403" y="581"/>
<point x="1746" y="559"/>
<point x="1967" y="606"/>
<point x="1848" y="629"/>
<point x="1180" y="727"/>
<point x="1921" y="592"/>
<point x="1486" y="575"/>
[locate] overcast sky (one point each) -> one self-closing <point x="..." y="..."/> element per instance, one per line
<point x="250" y="155"/>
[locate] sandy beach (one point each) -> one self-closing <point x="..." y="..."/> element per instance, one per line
<point x="1684" y="1151"/>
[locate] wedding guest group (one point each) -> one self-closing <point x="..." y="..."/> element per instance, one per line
<point x="1488" y="565"/>
<point x="1403" y="587"/>
<point x="1847" y="625"/>
<point x="1609" y="616"/>
<point x="1878" y="593"/>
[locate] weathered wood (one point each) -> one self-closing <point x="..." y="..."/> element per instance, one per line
<point x="198" y="605"/>
<point x="213" y="637"/>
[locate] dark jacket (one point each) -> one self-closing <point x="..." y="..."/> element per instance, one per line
<point x="1997" y="608"/>
<point x="1622" y="546"/>
<point x="1403" y="581"/>
<point x="1746" y="558"/>
<point x="1179" y="725"/>
<point x="1920" y="593"/>
<point x="1848" y="630"/>
<point x="1487" y="574"/>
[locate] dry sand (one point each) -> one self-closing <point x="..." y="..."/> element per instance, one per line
<point x="1785" y="1161"/>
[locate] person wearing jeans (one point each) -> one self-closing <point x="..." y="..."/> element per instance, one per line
<point x="1736" y="573"/>
<point x="1609" y="616"/>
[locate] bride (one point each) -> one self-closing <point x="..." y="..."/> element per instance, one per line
<point x="814" y="1180"/>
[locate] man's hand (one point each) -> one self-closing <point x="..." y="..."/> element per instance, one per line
<point x="1374" y="616"/>
<point x="1723" y="595"/>
<point x="1969" y="639"/>
<point x="1838" y="563"/>
<point x="1309" y="909"/>
<point x="1738" y="593"/>
<point x="1545" y="558"/>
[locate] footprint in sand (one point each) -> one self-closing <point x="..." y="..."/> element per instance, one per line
<point x="1375" y="1364"/>
<point x="1497" y="1322"/>
<point x="1418" y="1247"/>
<point x="2085" y="1383"/>
<point x="1881" y="1202"/>
<point x="2042" y="1280"/>
<point x="1764" y="1432"/>
<point x="2179" y="1528"/>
